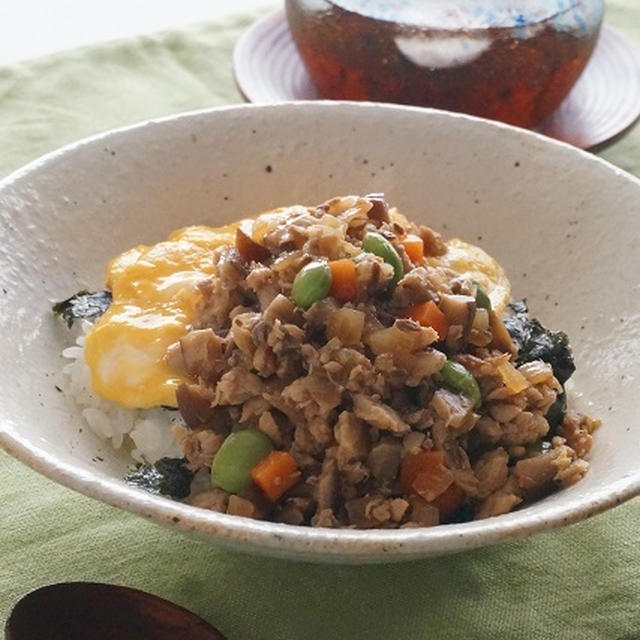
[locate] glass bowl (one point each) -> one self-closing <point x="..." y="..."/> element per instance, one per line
<point x="508" y="60"/>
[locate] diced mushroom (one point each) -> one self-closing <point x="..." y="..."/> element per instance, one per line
<point x="239" y="506"/>
<point x="199" y="447"/>
<point x="379" y="415"/>
<point x="457" y="461"/>
<point x="294" y="509"/>
<point x="497" y="504"/>
<point x="422" y="513"/>
<point x="413" y="288"/>
<point x="492" y="471"/>
<point x="455" y="409"/>
<point x="213" y="499"/>
<point x="576" y="429"/>
<point x="527" y="427"/>
<point x="369" y="512"/>
<point x="237" y="386"/>
<point x="373" y="274"/>
<point x="346" y="325"/>
<point x="327" y="487"/>
<point x="488" y="429"/>
<point x="194" y="403"/>
<point x="242" y="327"/>
<point x="285" y="231"/>
<point x="384" y="460"/>
<point x="282" y="308"/>
<point x="249" y="249"/>
<point x="458" y="308"/>
<point x="340" y="204"/>
<point x="460" y="311"/>
<point x="216" y="302"/>
<point x="313" y="394"/>
<point x="504" y="411"/>
<point x="413" y="442"/>
<point x="403" y="337"/>
<point x="398" y="508"/>
<point x="421" y="365"/>
<point x="352" y="437"/>
<point x="379" y="211"/>
<point x="501" y="337"/>
<point x="232" y="269"/>
<point x="264" y="283"/>
<point x="324" y="518"/>
<point x="202" y="354"/>
<point x="572" y="473"/>
<point x="269" y="426"/>
<point x="253" y="409"/>
<point x="536" y="475"/>
<point x="480" y="335"/>
<point x="433" y="243"/>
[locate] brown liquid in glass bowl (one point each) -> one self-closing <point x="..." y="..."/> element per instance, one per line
<point x="509" y="60"/>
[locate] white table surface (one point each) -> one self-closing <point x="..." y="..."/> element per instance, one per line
<point x="33" y="28"/>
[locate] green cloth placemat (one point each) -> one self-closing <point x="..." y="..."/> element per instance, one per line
<point x="580" y="582"/>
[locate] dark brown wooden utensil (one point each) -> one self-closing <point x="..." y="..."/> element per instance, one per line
<point x="90" y="611"/>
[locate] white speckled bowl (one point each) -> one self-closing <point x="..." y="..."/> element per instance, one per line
<point x="565" y="225"/>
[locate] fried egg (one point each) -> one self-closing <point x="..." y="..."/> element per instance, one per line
<point x="154" y="302"/>
<point x="473" y="263"/>
<point x="155" y="295"/>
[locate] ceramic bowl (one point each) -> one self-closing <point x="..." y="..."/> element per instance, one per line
<point x="563" y="223"/>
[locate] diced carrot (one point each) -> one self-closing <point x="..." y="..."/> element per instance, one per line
<point x="449" y="501"/>
<point x="414" y="247"/>
<point x="424" y="473"/>
<point x="275" y="474"/>
<point x="344" y="282"/>
<point x="428" y="315"/>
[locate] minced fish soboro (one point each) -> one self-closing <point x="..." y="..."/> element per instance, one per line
<point x="340" y="366"/>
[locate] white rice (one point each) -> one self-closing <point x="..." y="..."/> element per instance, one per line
<point x="147" y="432"/>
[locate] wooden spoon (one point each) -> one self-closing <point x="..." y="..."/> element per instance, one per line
<point x="89" y="611"/>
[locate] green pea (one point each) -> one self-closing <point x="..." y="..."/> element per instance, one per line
<point x="239" y="453"/>
<point x="483" y="301"/>
<point x="378" y="245"/>
<point x="457" y="377"/>
<point x="311" y="284"/>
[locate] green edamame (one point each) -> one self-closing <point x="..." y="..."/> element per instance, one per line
<point x="457" y="377"/>
<point x="378" y="245"/>
<point x="239" y="453"/>
<point x="312" y="283"/>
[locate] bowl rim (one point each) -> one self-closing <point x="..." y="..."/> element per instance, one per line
<point x="301" y="542"/>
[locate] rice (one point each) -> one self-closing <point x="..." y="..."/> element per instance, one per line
<point x="146" y="432"/>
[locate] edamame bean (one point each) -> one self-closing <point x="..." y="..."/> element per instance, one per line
<point x="457" y="377"/>
<point x="239" y="453"/>
<point x="311" y="284"/>
<point x="378" y="245"/>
